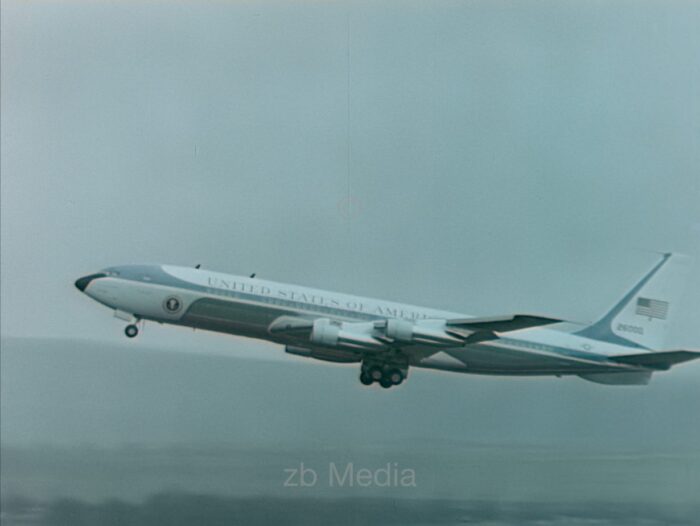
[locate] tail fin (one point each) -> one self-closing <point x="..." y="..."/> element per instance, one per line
<point x="640" y="319"/>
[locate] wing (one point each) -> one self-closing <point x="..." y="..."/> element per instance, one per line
<point x="422" y="336"/>
<point x="482" y="329"/>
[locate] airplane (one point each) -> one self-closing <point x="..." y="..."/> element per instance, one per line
<point x="622" y="348"/>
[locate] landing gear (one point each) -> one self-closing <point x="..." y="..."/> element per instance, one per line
<point x="385" y="375"/>
<point x="394" y="376"/>
<point x="385" y="382"/>
<point x="375" y="373"/>
<point x="131" y="331"/>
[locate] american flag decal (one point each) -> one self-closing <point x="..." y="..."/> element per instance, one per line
<point x="652" y="308"/>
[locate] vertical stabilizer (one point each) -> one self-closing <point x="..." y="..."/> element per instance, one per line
<point x="641" y="318"/>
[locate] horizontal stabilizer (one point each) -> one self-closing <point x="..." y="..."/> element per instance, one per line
<point x="657" y="360"/>
<point x="501" y="323"/>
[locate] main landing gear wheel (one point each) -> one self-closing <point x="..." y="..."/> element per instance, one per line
<point x="366" y="379"/>
<point x="385" y="375"/>
<point x="375" y="373"/>
<point x="385" y="382"/>
<point x="131" y="331"/>
<point x="394" y="376"/>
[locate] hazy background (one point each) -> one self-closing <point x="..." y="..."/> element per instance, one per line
<point x="483" y="157"/>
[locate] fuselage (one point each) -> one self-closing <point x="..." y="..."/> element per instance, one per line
<point x="247" y="307"/>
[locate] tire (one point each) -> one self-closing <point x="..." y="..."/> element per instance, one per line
<point x="131" y="331"/>
<point x="385" y="383"/>
<point x="366" y="379"/>
<point x="375" y="373"/>
<point x="395" y="376"/>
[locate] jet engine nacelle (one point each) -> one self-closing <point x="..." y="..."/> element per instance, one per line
<point x="429" y="332"/>
<point x="352" y="335"/>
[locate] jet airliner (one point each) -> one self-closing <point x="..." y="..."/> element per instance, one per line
<point x="386" y="339"/>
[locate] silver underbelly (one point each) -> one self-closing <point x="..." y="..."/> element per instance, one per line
<point x="501" y="360"/>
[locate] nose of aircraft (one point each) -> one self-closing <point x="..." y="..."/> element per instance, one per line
<point x="82" y="283"/>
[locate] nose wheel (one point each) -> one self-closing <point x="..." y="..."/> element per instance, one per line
<point x="131" y="331"/>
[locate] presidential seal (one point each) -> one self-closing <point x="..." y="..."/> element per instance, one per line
<point x="172" y="304"/>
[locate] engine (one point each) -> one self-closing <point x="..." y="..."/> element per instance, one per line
<point x="354" y="335"/>
<point x="429" y="332"/>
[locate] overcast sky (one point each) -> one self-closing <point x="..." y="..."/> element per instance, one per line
<point x="484" y="157"/>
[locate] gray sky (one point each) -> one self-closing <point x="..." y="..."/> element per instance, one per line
<point x="498" y="156"/>
<point x="481" y="157"/>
